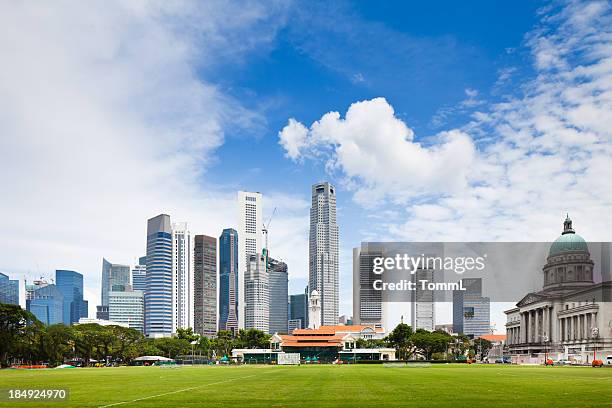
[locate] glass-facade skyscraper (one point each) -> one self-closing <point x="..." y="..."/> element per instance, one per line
<point x="298" y="309"/>
<point x="279" y="292"/>
<point x="158" y="295"/>
<point x="47" y="304"/>
<point x="115" y="277"/>
<point x="205" y="285"/>
<point x="9" y="290"/>
<point x="228" y="280"/>
<point x="70" y="284"/>
<point x="471" y="311"/>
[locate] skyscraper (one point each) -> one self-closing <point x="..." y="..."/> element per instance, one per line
<point x="323" y="251"/>
<point x="423" y="312"/>
<point x="298" y="310"/>
<point x="182" y="277"/>
<point x="158" y="297"/>
<point x="279" y="291"/>
<point x="139" y="277"/>
<point x="257" y="296"/>
<point x="367" y="302"/>
<point x="205" y="285"/>
<point x="127" y="307"/>
<point x="9" y="290"/>
<point x="471" y="311"/>
<point x="47" y="304"/>
<point x="228" y="280"/>
<point x="250" y="222"/>
<point x="70" y="284"/>
<point x="115" y="277"/>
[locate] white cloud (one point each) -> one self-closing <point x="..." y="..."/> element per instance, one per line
<point x="373" y="146"/>
<point x="104" y="123"/>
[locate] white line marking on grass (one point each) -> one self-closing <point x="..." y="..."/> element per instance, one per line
<point x="175" y="392"/>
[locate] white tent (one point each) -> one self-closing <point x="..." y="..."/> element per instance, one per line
<point x="153" y="358"/>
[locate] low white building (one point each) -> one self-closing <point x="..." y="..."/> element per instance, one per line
<point x="127" y="308"/>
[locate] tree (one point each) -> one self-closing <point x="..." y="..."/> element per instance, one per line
<point x="252" y="338"/>
<point x="172" y="346"/>
<point x="430" y="342"/>
<point x="400" y="339"/>
<point x="187" y="334"/>
<point x="482" y="347"/>
<point x="224" y="343"/>
<point x="59" y="343"/>
<point x="16" y="326"/>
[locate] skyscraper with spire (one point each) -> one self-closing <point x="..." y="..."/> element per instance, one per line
<point x="324" y="252"/>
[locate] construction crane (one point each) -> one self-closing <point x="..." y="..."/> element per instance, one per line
<point x="266" y="226"/>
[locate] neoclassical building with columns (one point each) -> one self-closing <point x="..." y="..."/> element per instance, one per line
<point x="571" y="317"/>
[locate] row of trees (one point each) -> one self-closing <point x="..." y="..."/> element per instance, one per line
<point x="435" y="345"/>
<point x="24" y="339"/>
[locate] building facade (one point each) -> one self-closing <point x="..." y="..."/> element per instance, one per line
<point x="257" y="296"/>
<point x="9" y="290"/>
<point x="279" y="292"/>
<point x="158" y="296"/>
<point x="47" y="304"/>
<point x="228" y="280"/>
<point x="139" y="277"/>
<point x="250" y="223"/>
<point x="182" y="277"/>
<point x="471" y="311"/>
<point x="569" y="318"/>
<point x="70" y="284"/>
<point x="205" y="285"/>
<point x="298" y="310"/>
<point x="115" y="277"/>
<point x="367" y="302"/>
<point x="423" y="311"/>
<point x="314" y="310"/>
<point x="324" y="251"/>
<point x="127" y="307"/>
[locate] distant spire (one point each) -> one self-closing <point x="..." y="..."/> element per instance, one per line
<point x="567" y="225"/>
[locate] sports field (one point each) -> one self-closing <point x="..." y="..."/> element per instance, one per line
<point x="321" y="386"/>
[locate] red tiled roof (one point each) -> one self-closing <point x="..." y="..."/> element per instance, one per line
<point x="311" y="344"/>
<point x="493" y="337"/>
<point x="335" y="329"/>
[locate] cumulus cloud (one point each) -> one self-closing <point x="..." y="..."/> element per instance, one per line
<point x="374" y="148"/>
<point x="516" y="168"/>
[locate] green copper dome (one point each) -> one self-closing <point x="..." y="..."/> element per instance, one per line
<point x="569" y="241"/>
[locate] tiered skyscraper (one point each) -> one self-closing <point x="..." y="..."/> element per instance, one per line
<point x="205" y="285"/>
<point x="228" y="280"/>
<point x="182" y="277"/>
<point x="324" y="252"/>
<point x="158" y="297"/>
<point x="250" y="222"/>
<point x="257" y="296"/>
<point x="115" y="277"/>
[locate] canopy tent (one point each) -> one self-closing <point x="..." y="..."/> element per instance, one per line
<point x="153" y="358"/>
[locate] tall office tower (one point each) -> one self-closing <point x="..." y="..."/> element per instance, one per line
<point x="115" y="277"/>
<point x="367" y="302"/>
<point x="279" y="291"/>
<point x="205" y="285"/>
<point x="70" y="284"/>
<point x="182" y="277"/>
<point x="250" y="222"/>
<point x="158" y="296"/>
<point x="139" y="277"/>
<point x="47" y="304"/>
<point x="298" y="310"/>
<point x="127" y="307"/>
<point x="257" y="294"/>
<point x="228" y="280"/>
<point x="423" y="310"/>
<point x="9" y="290"/>
<point x="323" y="252"/>
<point x="471" y="311"/>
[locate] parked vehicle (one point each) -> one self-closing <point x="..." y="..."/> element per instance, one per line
<point x="609" y="360"/>
<point x="563" y="362"/>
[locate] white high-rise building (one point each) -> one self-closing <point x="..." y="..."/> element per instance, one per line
<point x="250" y="223"/>
<point x="127" y="308"/>
<point x="257" y="294"/>
<point x="423" y="311"/>
<point x="182" y="277"/>
<point x="323" y="252"/>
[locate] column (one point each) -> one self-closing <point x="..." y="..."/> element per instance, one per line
<point x="522" y="328"/>
<point x="537" y="338"/>
<point x="585" y="327"/>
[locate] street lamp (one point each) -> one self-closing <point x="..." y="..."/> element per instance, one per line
<point x="545" y="340"/>
<point x="594" y="335"/>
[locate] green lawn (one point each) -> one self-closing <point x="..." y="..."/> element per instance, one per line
<point x="322" y="386"/>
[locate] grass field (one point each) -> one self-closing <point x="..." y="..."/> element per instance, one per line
<point x="322" y="386"/>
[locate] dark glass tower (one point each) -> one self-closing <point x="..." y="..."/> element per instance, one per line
<point x="228" y="280"/>
<point x="70" y="284"/>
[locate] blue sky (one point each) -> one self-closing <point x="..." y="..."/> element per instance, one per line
<point x="435" y="120"/>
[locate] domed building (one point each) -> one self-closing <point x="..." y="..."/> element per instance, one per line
<point x="571" y="317"/>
